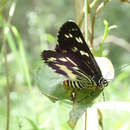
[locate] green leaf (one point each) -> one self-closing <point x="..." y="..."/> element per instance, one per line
<point x="50" y="83"/>
<point x="32" y="124"/>
<point x="106" y="32"/>
<point x="84" y="99"/>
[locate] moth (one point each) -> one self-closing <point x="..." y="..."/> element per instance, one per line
<point x="73" y="59"/>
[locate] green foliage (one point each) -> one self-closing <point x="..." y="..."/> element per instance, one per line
<point x="56" y="91"/>
<point x="107" y="29"/>
<point x="106" y="32"/>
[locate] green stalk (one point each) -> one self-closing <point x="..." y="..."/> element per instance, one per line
<point x="86" y="19"/>
<point x="86" y="38"/>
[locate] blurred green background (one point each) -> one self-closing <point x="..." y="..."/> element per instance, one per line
<point x="33" y="28"/>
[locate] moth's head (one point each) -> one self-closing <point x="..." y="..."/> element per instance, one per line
<point x="103" y="82"/>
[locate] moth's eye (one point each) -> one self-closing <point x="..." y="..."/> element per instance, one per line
<point x="105" y="82"/>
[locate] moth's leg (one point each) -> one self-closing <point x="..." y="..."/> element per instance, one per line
<point x="103" y="95"/>
<point x="73" y="95"/>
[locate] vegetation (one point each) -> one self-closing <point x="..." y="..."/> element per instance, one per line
<point x="26" y="28"/>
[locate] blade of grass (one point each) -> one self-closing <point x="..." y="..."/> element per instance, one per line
<point x="18" y="54"/>
<point x="11" y="12"/>
<point x="106" y="32"/>
<point x="7" y="85"/>
<point x="22" y="55"/>
<point x="12" y="46"/>
<point x="34" y="126"/>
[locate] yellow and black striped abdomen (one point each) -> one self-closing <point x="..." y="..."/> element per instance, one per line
<point x="80" y="84"/>
<point x="73" y="84"/>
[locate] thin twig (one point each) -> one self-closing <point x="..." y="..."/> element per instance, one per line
<point x="79" y="9"/>
<point x="94" y="18"/>
<point x="86" y="19"/>
<point x="7" y="85"/>
<point x="100" y="118"/>
<point x="85" y="126"/>
<point x="80" y="23"/>
<point x="128" y="1"/>
<point x="113" y="40"/>
<point x="86" y="5"/>
<point x="93" y="4"/>
<point x="11" y="12"/>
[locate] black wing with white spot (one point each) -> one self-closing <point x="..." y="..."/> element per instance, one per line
<point x="72" y="57"/>
<point x="71" y="39"/>
<point x="62" y="63"/>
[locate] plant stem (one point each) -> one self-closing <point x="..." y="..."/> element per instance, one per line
<point x="94" y="18"/>
<point x="7" y="84"/>
<point x="86" y="38"/>
<point x="86" y="19"/>
<point x="93" y="4"/>
<point x="85" y="126"/>
<point x="6" y="24"/>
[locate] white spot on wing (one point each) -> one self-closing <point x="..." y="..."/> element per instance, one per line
<point x="84" y="53"/>
<point x="74" y="49"/>
<point x="70" y="35"/>
<point x="79" y="40"/>
<point x="75" y="68"/>
<point x="67" y="71"/>
<point x="71" y="61"/>
<point x="67" y="36"/>
<point x="51" y="59"/>
<point x="63" y="59"/>
<point x="64" y="51"/>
